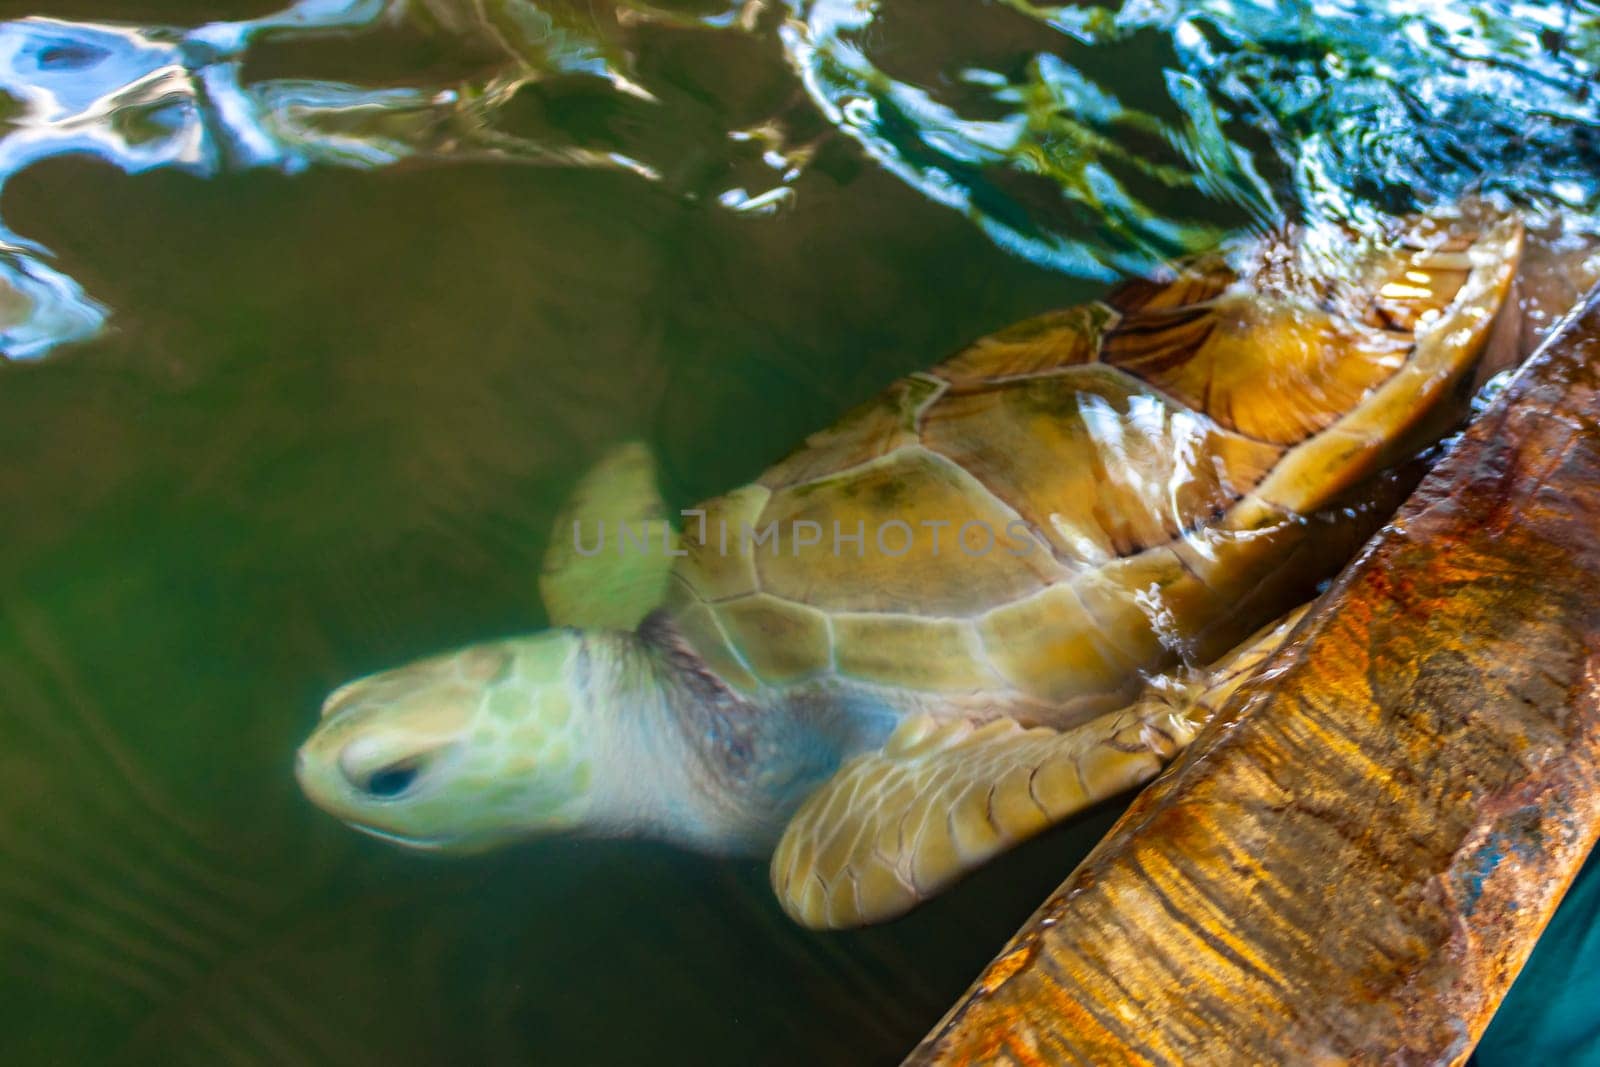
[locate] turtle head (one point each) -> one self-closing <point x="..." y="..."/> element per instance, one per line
<point x="468" y="750"/>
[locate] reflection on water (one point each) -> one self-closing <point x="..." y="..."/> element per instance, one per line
<point x="147" y="98"/>
<point x="1332" y="109"/>
<point x="1243" y="113"/>
<point x="336" y="402"/>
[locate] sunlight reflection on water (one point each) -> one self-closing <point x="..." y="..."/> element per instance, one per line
<point x="1323" y="110"/>
<point x="1333" y="109"/>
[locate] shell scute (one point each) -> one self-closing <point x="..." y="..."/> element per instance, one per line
<point x="1146" y="604"/>
<point x="714" y="564"/>
<point x="874" y="429"/>
<point x="1040" y="345"/>
<point x="1050" y="647"/>
<point x="781" y="640"/>
<point x="930" y="655"/>
<point x="698" y="624"/>
<point x="1158" y="474"/>
<point x="909" y="510"/>
<point x="1102" y="466"/>
<point x="1189" y="285"/>
<point x="1276" y="372"/>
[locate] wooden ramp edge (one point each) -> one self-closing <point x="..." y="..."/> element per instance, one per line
<point x="1354" y="861"/>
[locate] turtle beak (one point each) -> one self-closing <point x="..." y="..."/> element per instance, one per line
<point x="312" y="776"/>
<point x="421" y="844"/>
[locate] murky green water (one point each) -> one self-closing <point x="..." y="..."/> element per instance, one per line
<point x="308" y="412"/>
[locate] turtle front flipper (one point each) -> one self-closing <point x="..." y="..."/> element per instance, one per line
<point x="611" y="547"/>
<point x="895" y="826"/>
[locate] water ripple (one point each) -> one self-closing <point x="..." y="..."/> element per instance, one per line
<point x="148" y="98"/>
<point x="1252" y="114"/>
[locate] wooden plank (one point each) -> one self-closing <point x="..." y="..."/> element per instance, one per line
<point x="1354" y="861"/>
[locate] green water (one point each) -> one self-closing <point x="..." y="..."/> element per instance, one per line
<point x="323" y="430"/>
<point x="329" y="436"/>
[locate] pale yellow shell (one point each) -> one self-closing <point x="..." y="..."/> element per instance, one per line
<point x="1149" y="468"/>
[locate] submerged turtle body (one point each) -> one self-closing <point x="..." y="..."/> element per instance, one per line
<point x="1030" y="527"/>
<point x="940" y="625"/>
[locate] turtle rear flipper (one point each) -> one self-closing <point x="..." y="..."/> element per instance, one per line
<point x="895" y="826"/>
<point x="611" y="547"/>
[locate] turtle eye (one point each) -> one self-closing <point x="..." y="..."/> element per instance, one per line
<point x="387" y="783"/>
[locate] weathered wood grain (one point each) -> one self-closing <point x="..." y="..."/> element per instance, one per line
<point x="1354" y="861"/>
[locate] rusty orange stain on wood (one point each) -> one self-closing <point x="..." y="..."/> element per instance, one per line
<point x="1355" y="858"/>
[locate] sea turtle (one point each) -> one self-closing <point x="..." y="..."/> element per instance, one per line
<point x="979" y="603"/>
